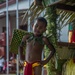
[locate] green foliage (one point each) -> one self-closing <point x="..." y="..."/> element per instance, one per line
<point x="16" y="39"/>
<point x="1" y="1"/>
<point x="52" y="26"/>
<point x="48" y="2"/>
<point x="60" y="64"/>
<point x="52" y="35"/>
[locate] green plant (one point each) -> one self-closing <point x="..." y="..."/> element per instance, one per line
<point x="52" y="35"/>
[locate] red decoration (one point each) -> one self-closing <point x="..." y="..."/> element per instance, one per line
<point x="2" y="39"/>
<point x="74" y="60"/>
<point x="73" y="37"/>
<point x="28" y="69"/>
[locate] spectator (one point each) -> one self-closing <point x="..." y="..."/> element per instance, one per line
<point x="2" y="61"/>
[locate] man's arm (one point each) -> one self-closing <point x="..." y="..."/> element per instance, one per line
<point x="21" y="50"/>
<point x="51" y="53"/>
<point x="23" y="43"/>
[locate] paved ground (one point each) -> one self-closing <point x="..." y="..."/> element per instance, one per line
<point x="6" y="74"/>
<point x="10" y="74"/>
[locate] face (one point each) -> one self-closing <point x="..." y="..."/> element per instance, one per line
<point x="38" y="28"/>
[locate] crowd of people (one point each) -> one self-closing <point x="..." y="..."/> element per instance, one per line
<point x="3" y="64"/>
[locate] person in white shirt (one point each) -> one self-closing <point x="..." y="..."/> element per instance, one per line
<point x="2" y="61"/>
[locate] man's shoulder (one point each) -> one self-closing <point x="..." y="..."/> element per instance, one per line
<point x="44" y="37"/>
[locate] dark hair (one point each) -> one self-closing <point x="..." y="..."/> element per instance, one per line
<point x="42" y="19"/>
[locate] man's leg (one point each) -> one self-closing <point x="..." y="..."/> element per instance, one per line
<point x="37" y="70"/>
<point x="0" y="69"/>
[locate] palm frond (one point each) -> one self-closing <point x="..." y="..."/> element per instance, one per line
<point x="65" y="18"/>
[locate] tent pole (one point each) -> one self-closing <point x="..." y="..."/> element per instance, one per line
<point x="17" y="27"/>
<point x="7" y="37"/>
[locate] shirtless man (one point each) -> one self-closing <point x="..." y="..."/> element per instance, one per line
<point x="34" y="47"/>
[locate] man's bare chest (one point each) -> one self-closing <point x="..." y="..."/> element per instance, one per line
<point x="34" y="44"/>
<point x="35" y="41"/>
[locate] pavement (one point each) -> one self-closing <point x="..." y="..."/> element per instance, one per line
<point x="8" y="74"/>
